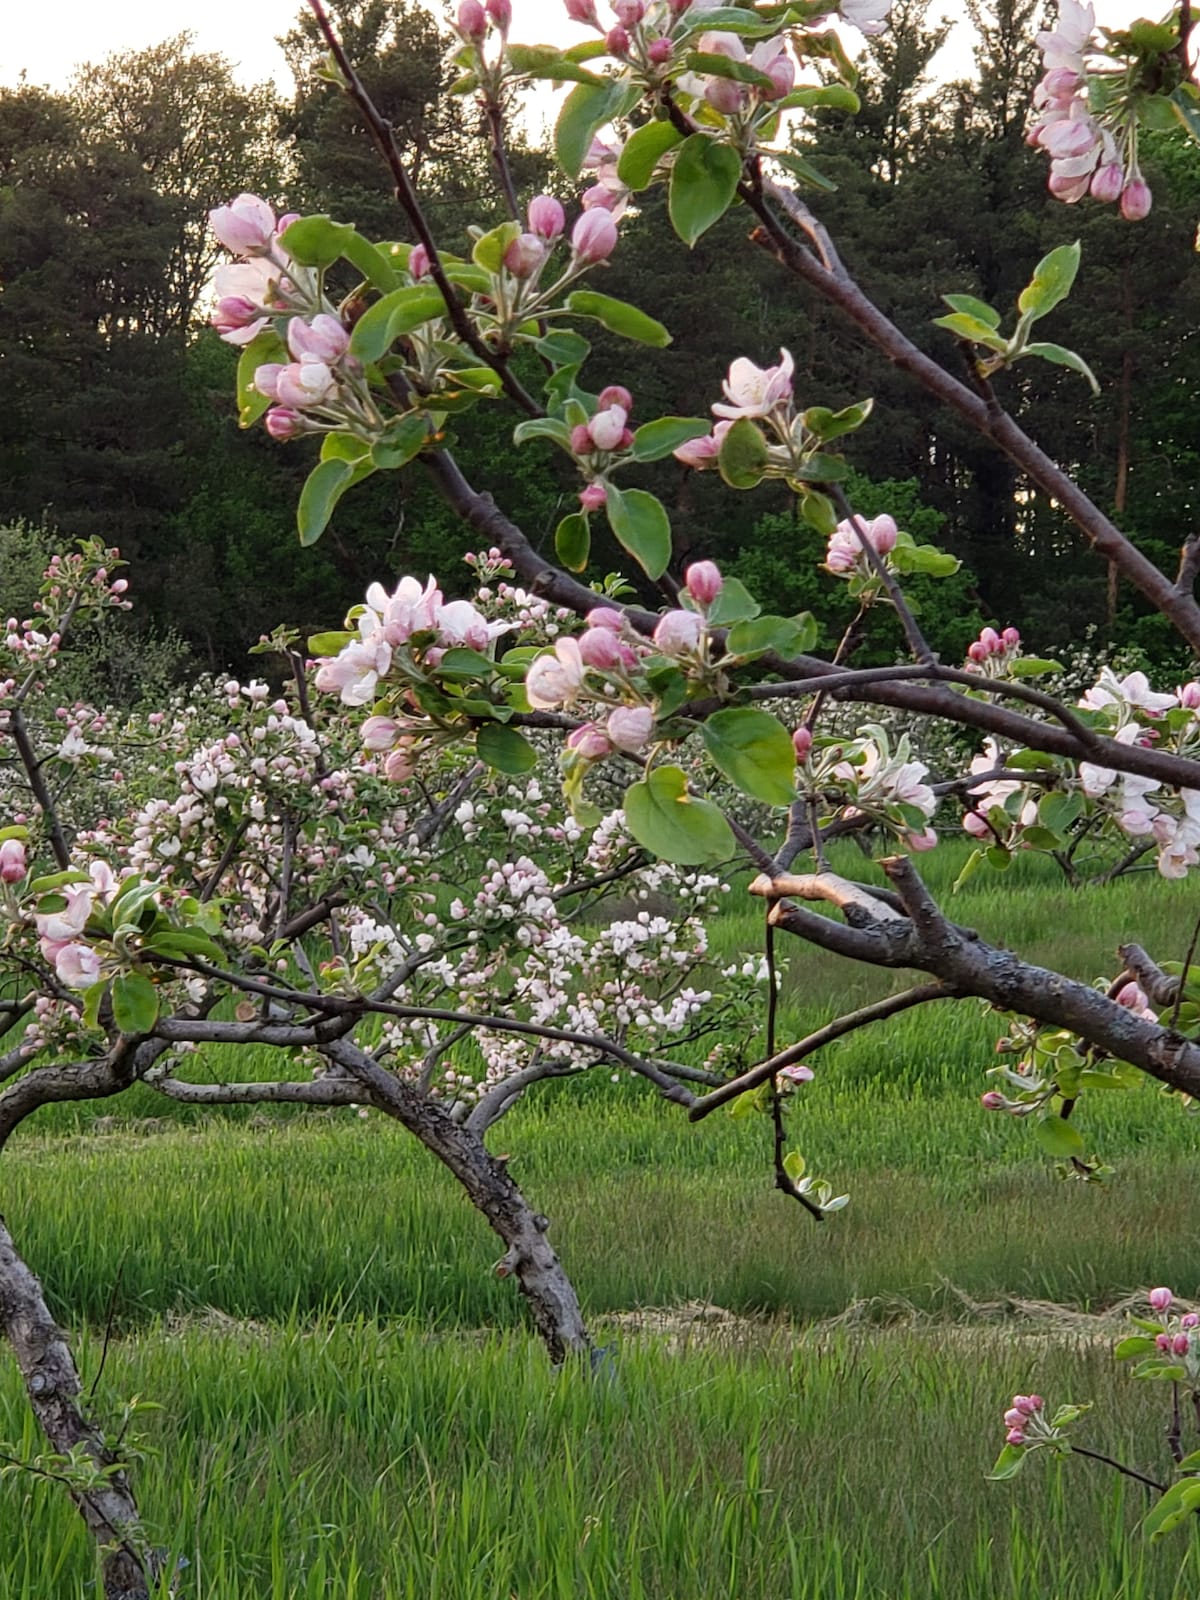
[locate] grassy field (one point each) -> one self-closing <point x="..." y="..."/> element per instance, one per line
<point x="304" y="1296"/>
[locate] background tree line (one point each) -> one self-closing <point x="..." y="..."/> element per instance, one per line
<point x="117" y="416"/>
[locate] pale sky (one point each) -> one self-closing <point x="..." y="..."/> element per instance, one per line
<point x="48" y="40"/>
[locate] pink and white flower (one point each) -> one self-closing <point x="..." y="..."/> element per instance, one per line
<point x="752" y="391"/>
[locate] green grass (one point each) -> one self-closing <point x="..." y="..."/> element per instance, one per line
<point x="355" y="1438"/>
<point x="355" y="1461"/>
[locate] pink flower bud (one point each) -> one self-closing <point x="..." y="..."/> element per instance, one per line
<point x="782" y="73"/>
<point x="678" y="632"/>
<point x="1160" y="1299"/>
<point x="13" y="866"/>
<point x="77" y="965"/>
<point x="246" y="226"/>
<point x="418" y="262"/>
<point x="1133" y="997"/>
<point x="1014" y="1418"/>
<point x="322" y="339"/>
<point x="1014" y="1436"/>
<point x="266" y="379"/>
<point x="976" y="825"/>
<point x="1108" y="181"/>
<point x="1136" y="200"/>
<point x="583" y="11"/>
<point x="993" y="1100"/>
<point x="600" y="648"/>
<point x="629" y="12"/>
<point x="724" y="95"/>
<point x="546" y="217"/>
<point x="283" y="424"/>
<point x="235" y="312"/>
<point x="630" y="727"/>
<point x="379" y="733"/>
<point x="500" y="12"/>
<point x="659" y="51"/>
<point x="1163" y="1341"/>
<point x="925" y="840"/>
<point x="615" y="394"/>
<point x="593" y="497"/>
<point x="525" y="255"/>
<point x="400" y="764"/>
<point x="698" y="453"/>
<point x="598" y="198"/>
<point x="606" y="617"/>
<point x="802" y="743"/>
<point x="1181" y="1344"/>
<point x="703" y="581"/>
<point x="607" y="428"/>
<point x="1028" y="1403"/>
<point x="1010" y="638"/>
<point x="594" y="237"/>
<point x="977" y="652"/>
<point x="1189" y="696"/>
<point x="990" y="640"/>
<point x="591" y="742"/>
<point x="581" y="440"/>
<point x="616" y="42"/>
<point x="1189" y="1320"/>
<point x="471" y="21"/>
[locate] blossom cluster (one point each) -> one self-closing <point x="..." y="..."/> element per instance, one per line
<point x="1089" y="153"/>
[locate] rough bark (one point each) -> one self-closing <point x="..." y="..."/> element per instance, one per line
<point x="529" y="1256"/>
<point x="52" y="1384"/>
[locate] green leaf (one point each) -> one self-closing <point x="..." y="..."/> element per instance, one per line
<point x="786" y="636"/>
<point x="585" y="110"/>
<point x="504" y="749"/>
<point x="804" y="170"/>
<point x="488" y="252"/>
<point x="641" y="526"/>
<point x="323" y="488"/>
<point x="830" y="96"/>
<point x="265" y="347"/>
<point x="395" y="314"/>
<point x="826" y="424"/>
<point x="971" y="307"/>
<point x="573" y="541"/>
<point x="316" y="241"/>
<point x="1187" y="111"/>
<point x="926" y="559"/>
<point x="1175" y="1507"/>
<point x="618" y="317"/>
<point x="543" y="428"/>
<point x="754" y="752"/>
<point x="344" y="447"/>
<point x="971" y="328"/>
<point x="643" y="150"/>
<point x="564" y="347"/>
<point x="1063" y="358"/>
<point x="674" y="825"/>
<point x="56" y="880"/>
<point x="463" y="662"/>
<point x="544" y="61"/>
<point x="727" y="19"/>
<point x="713" y="65"/>
<point x="1057" y="811"/>
<point x="91" y="1003"/>
<point x="1058" y="1138"/>
<point x="371" y="262"/>
<point x="970" y="867"/>
<point x="134" y="1002"/>
<point x="704" y="181"/>
<point x="181" y="943"/>
<point x="819" y="468"/>
<point x="329" y="644"/>
<point x="735" y="603"/>
<point x="402" y="441"/>
<point x="1137" y="1344"/>
<point x="1008" y="1463"/>
<point x="819" y="511"/>
<point x="654" y="440"/>
<point x="1051" y="281"/>
<point x="794" y="1165"/>
<point x="742" y="458"/>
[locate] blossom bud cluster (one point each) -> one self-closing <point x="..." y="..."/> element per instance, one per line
<point x="1025" y="1421"/>
<point x="992" y="652"/>
<point x="845" y="552"/>
<point x="264" y="281"/>
<point x="1089" y="154"/>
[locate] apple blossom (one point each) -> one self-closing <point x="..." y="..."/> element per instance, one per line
<point x="546" y="217"/>
<point x="601" y="648"/>
<point x="59" y="927"/>
<point x="659" y="51"/>
<point x="703" y="581"/>
<point x="631" y="727"/>
<point x="590" y="742"/>
<point x="304" y="383"/>
<point x="356" y="670"/>
<point x="500" y="12"/>
<point x="1181" y="1344"/>
<point x="607" y="428"/>
<point x="77" y="965"/>
<point x="993" y="1100"/>
<point x="1160" y="1299"/>
<point x="1136" y="199"/>
<point x="616" y="41"/>
<point x="555" y="680"/>
<point x="593" y="497"/>
<point x="525" y="255"/>
<point x="678" y="633"/>
<point x="246" y="226"/>
<point x="752" y="391"/>
<point x="379" y="733"/>
<point x="418" y="263"/>
<point x="594" y="237"/>
<point x="471" y="21"/>
<point x="802" y="741"/>
<point x="583" y="11"/>
<point x="323" y="339"/>
<point x="13" y="865"/>
<point x="283" y="424"/>
<point x="605" y="617"/>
